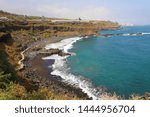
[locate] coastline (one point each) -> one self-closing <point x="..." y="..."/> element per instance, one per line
<point x="27" y="38"/>
<point x="22" y="43"/>
<point x="41" y="67"/>
<point x="42" y="73"/>
<point x="40" y="70"/>
<point x="60" y="68"/>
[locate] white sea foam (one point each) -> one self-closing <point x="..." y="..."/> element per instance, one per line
<point x="131" y="34"/>
<point x="60" y="68"/>
<point x="135" y="34"/>
<point x="145" y="33"/>
<point x="126" y="34"/>
<point x="64" y="44"/>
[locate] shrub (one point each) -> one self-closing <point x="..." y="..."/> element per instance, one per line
<point x="4" y="77"/>
<point x="13" y="92"/>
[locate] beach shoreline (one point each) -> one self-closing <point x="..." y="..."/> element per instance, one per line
<point x="60" y="68"/>
<point x="40" y="70"/>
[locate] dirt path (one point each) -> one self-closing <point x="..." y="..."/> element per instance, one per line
<point x="20" y="62"/>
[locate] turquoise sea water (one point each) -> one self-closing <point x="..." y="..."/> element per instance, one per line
<point x="121" y="62"/>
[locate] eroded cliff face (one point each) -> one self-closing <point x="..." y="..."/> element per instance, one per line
<point x="23" y="33"/>
<point x="57" y="29"/>
<point x="26" y="31"/>
<point x="47" y="26"/>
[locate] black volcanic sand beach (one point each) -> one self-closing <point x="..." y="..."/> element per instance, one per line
<point x="40" y="70"/>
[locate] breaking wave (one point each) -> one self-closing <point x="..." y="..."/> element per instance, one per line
<point x="126" y="34"/>
<point x="61" y="69"/>
<point x="135" y="34"/>
<point x="146" y="33"/>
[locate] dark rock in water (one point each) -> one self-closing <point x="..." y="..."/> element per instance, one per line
<point x="119" y="34"/>
<point x="147" y="96"/>
<point x="54" y="51"/>
<point x="135" y="34"/>
<point x="107" y="35"/>
<point x="139" y="34"/>
<point x="131" y="33"/>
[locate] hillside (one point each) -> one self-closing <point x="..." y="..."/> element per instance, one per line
<point x="19" y="32"/>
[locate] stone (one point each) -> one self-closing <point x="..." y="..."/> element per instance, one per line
<point x="147" y="96"/>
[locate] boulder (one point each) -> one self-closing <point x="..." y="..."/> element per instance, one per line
<point x="54" y="51"/>
<point x="147" y="96"/>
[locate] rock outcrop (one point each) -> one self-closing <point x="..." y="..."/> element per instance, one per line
<point x="147" y="96"/>
<point x="53" y="52"/>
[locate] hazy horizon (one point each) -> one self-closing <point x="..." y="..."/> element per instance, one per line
<point x="125" y="11"/>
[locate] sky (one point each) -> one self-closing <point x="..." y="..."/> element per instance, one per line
<point x="122" y="11"/>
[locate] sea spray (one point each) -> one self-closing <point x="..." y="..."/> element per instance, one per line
<point x="64" y="45"/>
<point x="60" y="68"/>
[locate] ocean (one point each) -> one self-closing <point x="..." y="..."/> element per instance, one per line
<point x="118" y="62"/>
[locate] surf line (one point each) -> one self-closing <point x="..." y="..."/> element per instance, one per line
<point x="60" y="68"/>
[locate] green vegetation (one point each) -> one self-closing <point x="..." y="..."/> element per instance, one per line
<point x="11" y="87"/>
<point x="4" y="79"/>
<point x="18" y="92"/>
